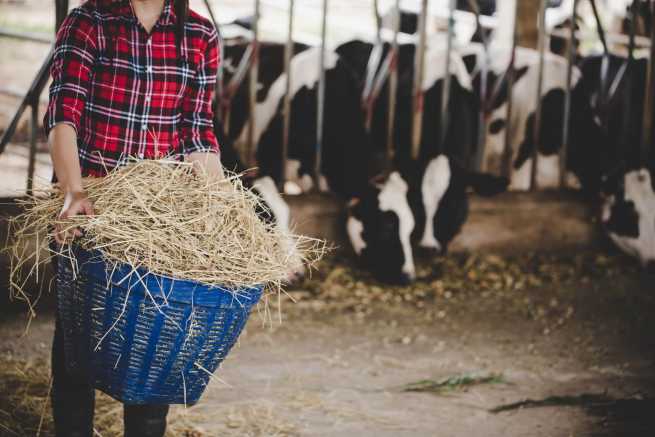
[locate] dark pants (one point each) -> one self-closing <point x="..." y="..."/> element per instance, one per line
<point x="73" y="402"/>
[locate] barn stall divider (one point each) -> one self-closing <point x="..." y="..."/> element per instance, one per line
<point x="380" y="73"/>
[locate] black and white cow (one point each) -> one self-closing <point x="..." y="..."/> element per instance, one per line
<point x="628" y="214"/>
<point x="425" y="201"/>
<point x="426" y="205"/>
<point x="587" y="152"/>
<point x="344" y="140"/>
<point x="273" y="209"/>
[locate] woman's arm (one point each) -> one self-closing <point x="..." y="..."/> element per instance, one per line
<point x="199" y="144"/>
<point x="65" y="160"/>
<point x="75" y="52"/>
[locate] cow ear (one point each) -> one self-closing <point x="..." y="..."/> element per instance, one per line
<point x="486" y="184"/>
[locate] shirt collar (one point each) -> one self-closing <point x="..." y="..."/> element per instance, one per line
<point x="123" y="8"/>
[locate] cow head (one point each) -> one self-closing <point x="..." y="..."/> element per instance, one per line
<point x="379" y="225"/>
<point x="439" y="200"/>
<point x="628" y="214"/>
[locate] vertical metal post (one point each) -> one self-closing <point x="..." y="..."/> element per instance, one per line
<point x="250" y="158"/>
<point x="393" y="88"/>
<point x="288" y="53"/>
<point x="378" y="20"/>
<point x="372" y="69"/>
<point x="418" y="95"/>
<point x="626" y="142"/>
<point x="563" y="153"/>
<point x="61" y="10"/>
<point x="506" y="165"/>
<point x="647" y="147"/>
<point x="218" y="112"/>
<point x="321" y="98"/>
<point x="484" y="91"/>
<point x="34" y="127"/>
<point x="445" y="90"/>
<point x="540" y="85"/>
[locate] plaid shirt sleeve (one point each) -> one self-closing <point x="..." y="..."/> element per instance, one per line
<point x="197" y="128"/>
<point x="73" y="59"/>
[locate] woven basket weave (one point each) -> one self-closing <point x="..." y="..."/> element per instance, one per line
<point x="143" y="338"/>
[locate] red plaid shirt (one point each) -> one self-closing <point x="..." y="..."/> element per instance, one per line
<point x="128" y="93"/>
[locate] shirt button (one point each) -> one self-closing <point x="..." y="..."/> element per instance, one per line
<point x="149" y="69"/>
<point x="147" y="99"/>
<point x="141" y="155"/>
<point x="149" y="42"/>
<point x="144" y="126"/>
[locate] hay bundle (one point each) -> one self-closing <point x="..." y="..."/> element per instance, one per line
<point x="162" y="216"/>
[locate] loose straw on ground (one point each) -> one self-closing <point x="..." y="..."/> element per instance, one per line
<point x="162" y="216"/>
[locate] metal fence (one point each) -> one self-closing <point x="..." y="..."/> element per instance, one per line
<point x="381" y="72"/>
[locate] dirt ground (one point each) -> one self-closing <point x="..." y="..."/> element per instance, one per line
<point x="574" y="333"/>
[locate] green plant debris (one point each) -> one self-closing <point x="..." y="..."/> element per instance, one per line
<point x="452" y="383"/>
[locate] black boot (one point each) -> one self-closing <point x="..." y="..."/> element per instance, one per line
<point x="73" y="398"/>
<point x="145" y="420"/>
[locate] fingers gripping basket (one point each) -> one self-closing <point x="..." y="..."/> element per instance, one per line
<point x="143" y="338"/>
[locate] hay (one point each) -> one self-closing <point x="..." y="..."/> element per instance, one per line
<point x="25" y="405"/>
<point x="164" y="217"/>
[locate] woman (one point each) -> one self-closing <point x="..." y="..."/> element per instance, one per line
<point x="130" y="79"/>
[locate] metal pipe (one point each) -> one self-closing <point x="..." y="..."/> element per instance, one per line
<point x="506" y="165"/>
<point x="393" y="88"/>
<point x="647" y="148"/>
<point x="378" y="20"/>
<point x="61" y="10"/>
<point x="418" y="95"/>
<point x="445" y="90"/>
<point x="321" y="99"/>
<point x="540" y="86"/>
<point x="33" y="94"/>
<point x="611" y="38"/>
<point x="218" y="113"/>
<point x="251" y="153"/>
<point x="368" y="97"/>
<point x="563" y="153"/>
<point x="25" y="36"/>
<point x="627" y="96"/>
<point x="484" y="91"/>
<point x="288" y="53"/>
<point x="34" y="128"/>
<point x="604" y="70"/>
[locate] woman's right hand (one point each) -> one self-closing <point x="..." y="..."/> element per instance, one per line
<point x="75" y="203"/>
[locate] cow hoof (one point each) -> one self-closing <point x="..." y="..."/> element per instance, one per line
<point x="405" y="279"/>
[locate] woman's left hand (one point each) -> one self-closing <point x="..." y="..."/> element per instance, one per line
<point x="208" y="163"/>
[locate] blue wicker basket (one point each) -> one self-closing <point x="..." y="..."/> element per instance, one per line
<point x="143" y="338"/>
